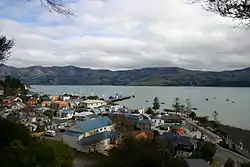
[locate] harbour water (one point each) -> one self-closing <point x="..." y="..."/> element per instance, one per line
<point x="235" y="111"/>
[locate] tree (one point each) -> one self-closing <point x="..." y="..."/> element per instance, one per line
<point x="50" y="113"/>
<point x="176" y="105"/>
<point x="192" y="115"/>
<point x="149" y="111"/>
<point x="215" y="116"/>
<point x="17" y="148"/>
<point x="156" y="104"/>
<point x="141" y="153"/>
<point x="188" y="108"/>
<point x="5" y="47"/>
<point x="229" y="163"/>
<point x="182" y="109"/>
<point x="235" y="9"/>
<point x="208" y="151"/>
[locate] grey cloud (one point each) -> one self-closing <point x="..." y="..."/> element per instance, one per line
<point x="131" y="34"/>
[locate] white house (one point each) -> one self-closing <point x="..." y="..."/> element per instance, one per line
<point x="82" y="115"/>
<point x="93" y="103"/>
<point x="86" y="133"/>
<point x="66" y="113"/>
<point x="157" y="120"/>
<point x="1" y="92"/>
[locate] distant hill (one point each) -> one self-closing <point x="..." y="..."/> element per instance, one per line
<point x="165" y="76"/>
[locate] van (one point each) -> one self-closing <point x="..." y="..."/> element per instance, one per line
<point x="51" y="133"/>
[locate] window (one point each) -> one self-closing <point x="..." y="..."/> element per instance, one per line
<point x="101" y="129"/>
<point x="105" y="128"/>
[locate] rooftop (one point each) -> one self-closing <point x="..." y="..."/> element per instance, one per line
<point x="90" y="125"/>
<point x="93" y="101"/>
<point x="66" y="111"/>
<point x="83" y="114"/>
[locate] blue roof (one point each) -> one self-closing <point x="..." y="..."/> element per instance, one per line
<point x="65" y="111"/>
<point x="133" y="116"/>
<point x="98" y="138"/>
<point x="72" y="133"/>
<point x="90" y="125"/>
<point x="145" y="121"/>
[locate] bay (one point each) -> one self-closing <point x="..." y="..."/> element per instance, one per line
<point x="235" y="114"/>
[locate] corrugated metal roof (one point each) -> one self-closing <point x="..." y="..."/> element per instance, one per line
<point x="90" y="125"/>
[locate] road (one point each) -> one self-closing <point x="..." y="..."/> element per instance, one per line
<point x="225" y="154"/>
<point x="221" y="152"/>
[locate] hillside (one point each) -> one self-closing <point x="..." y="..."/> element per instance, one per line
<point x="165" y="76"/>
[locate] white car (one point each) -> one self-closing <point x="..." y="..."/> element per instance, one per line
<point x="51" y="133"/>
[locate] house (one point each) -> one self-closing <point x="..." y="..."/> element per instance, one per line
<point x="172" y="119"/>
<point x="158" y="120"/>
<point x="182" y="144"/>
<point x="134" y="117"/>
<point x="66" y="113"/>
<point x="143" y="135"/>
<point x="60" y="104"/>
<point x="1" y="90"/>
<point x="32" y="102"/>
<point x="93" y="103"/>
<point x="46" y="103"/>
<point x="96" y="131"/>
<point x="54" y="98"/>
<point x="82" y="115"/>
<point x="9" y="100"/>
<point x="196" y="163"/>
<point x="144" y="124"/>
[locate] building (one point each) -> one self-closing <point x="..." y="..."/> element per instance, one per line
<point x="99" y="131"/>
<point x="183" y="145"/>
<point x="144" y="124"/>
<point x="93" y="103"/>
<point x="1" y="90"/>
<point x="143" y="135"/>
<point x="82" y="115"/>
<point x="60" y="104"/>
<point x="66" y="113"/>
<point x="172" y="119"/>
<point x="46" y="103"/>
<point x="158" y="120"/>
<point x="32" y="102"/>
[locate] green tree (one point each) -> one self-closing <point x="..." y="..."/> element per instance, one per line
<point x="188" y="107"/>
<point x="215" y="116"/>
<point x="176" y="105"/>
<point x="192" y="115"/>
<point x="5" y="48"/>
<point x="229" y="163"/>
<point x="141" y="153"/>
<point x="208" y="151"/>
<point x="156" y="104"/>
<point x="149" y="111"/>
<point x="235" y="9"/>
<point x="50" y="113"/>
<point x="18" y="149"/>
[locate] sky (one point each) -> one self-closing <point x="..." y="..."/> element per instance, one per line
<point x="123" y="34"/>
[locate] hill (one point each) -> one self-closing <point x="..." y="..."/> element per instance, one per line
<point x="165" y="76"/>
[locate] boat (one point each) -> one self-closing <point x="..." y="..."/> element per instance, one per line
<point x="233" y="101"/>
<point x="162" y="103"/>
<point x="146" y="101"/>
<point x="194" y="108"/>
<point x="227" y="99"/>
<point x="206" y="99"/>
<point x="133" y="96"/>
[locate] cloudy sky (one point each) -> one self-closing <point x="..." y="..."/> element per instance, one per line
<point x="123" y="34"/>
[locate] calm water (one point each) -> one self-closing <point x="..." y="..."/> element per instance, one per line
<point x="235" y="114"/>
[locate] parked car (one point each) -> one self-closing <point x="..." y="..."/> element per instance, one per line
<point x="51" y="133"/>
